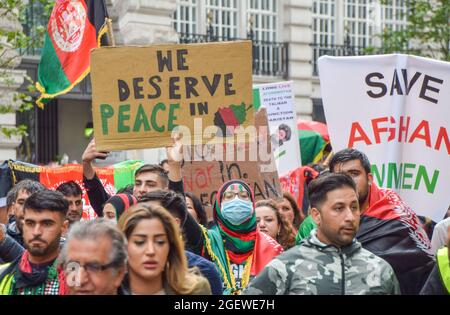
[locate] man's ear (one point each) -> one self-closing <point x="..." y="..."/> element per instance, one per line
<point x="178" y="221"/>
<point x="120" y="276"/>
<point x="315" y="214"/>
<point x="370" y="179"/>
<point x="65" y="227"/>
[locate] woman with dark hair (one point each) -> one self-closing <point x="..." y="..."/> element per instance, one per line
<point x="270" y="221"/>
<point x="195" y="208"/>
<point x="157" y="263"/>
<point x="239" y="250"/>
<point x="117" y="205"/>
<point x="289" y="209"/>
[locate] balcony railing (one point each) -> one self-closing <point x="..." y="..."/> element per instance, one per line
<point x="269" y="58"/>
<point x="334" y="50"/>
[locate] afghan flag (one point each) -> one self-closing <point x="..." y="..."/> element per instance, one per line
<point x="391" y="230"/>
<point x="313" y="138"/>
<point x="74" y="28"/>
<point x="231" y="117"/>
<point x="113" y="177"/>
<point x="296" y="183"/>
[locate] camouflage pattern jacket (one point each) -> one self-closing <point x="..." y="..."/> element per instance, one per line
<point x="315" y="268"/>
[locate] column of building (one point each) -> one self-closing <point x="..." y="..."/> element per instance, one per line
<point x="297" y="20"/>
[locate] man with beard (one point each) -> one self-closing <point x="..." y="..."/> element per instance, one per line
<point x="330" y="260"/>
<point x="389" y="228"/>
<point x="35" y="272"/>
<point x="19" y="194"/>
<point x="74" y="195"/>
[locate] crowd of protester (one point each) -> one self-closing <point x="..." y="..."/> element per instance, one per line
<point x="351" y="237"/>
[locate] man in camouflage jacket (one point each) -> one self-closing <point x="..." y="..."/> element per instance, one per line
<point x="330" y="261"/>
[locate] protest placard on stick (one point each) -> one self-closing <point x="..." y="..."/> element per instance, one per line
<point x="207" y="167"/>
<point x="278" y="99"/>
<point x="141" y="94"/>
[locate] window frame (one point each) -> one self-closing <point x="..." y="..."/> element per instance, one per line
<point x="242" y="17"/>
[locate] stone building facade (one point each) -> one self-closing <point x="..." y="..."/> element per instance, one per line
<point x="288" y="35"/>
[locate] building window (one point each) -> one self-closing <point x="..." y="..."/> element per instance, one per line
<point x="224" y="17"/>
<point x="263" y="15"/>
<point x="228" y="18"/>
<point x="394" y="14"/>
<point x="355" y="22"/>
<point x="185" y="18"/>
<point x="324" y="22"/>
<point x="347" y="27"/>
<point x="217" y="20"/>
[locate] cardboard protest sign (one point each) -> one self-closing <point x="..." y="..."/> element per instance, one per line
<point x="278" y="99"/>
<point x="141" y="94"/>
<point x="394" y="108"/>
<point x="207" y="167"/>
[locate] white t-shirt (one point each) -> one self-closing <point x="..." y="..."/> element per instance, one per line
<point x="440" y="234"/>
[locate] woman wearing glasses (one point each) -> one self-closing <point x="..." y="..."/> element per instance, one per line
<point x="156" y="261"/>
<point x="234" y="244"/>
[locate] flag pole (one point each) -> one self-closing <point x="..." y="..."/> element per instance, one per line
<point x="328" y="159"/>
<point x="108" y="22"/>
<point x="110" y="33"/>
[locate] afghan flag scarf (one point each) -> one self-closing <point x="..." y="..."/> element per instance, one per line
<point x="74" y="28"/>
<point x="391" y="230"/>
<point x="24" y="280"/>
<point x="239" y="240"/>
<point x="226" y="243"/>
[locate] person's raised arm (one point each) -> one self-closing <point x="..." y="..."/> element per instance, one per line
<point x="192" y="230"/>
<point x="90" y="154"/>
<point x="175" y="159"/>
<point x="10" y="250"/>
<point x="96" y="192"/>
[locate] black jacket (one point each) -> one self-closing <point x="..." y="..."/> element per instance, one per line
<point x="9" y="250"/>
<point x="434" y="285"/>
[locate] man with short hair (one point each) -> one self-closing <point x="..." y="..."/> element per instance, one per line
<point x="21" y="191"/>
<point x="10" y="196"/>
<point x="330" y="260"/>
<point x="74" y="195"/>
<point x="35" y="272"/>
<point x="147" y="178"/>
<point x="389" y="228"/>
<point x="94" y="258"/>
<point x="165" y="165"/>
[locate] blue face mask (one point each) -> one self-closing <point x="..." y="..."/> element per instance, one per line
<point x="237" y="211"/>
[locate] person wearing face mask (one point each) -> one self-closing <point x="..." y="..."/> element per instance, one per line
<point x="235" y="244"/>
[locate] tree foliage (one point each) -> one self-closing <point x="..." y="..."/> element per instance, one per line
<point x="14" y="43"/>
<point x="427" y="32"/>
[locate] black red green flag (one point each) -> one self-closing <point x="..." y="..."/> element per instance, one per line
<point x="228" y="118"/>
<point x="391" y="230"/>
<point x="74" y="28"/>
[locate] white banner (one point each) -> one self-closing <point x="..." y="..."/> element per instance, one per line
<point x="395" y="109"/>
<point x="278" y="99"/>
